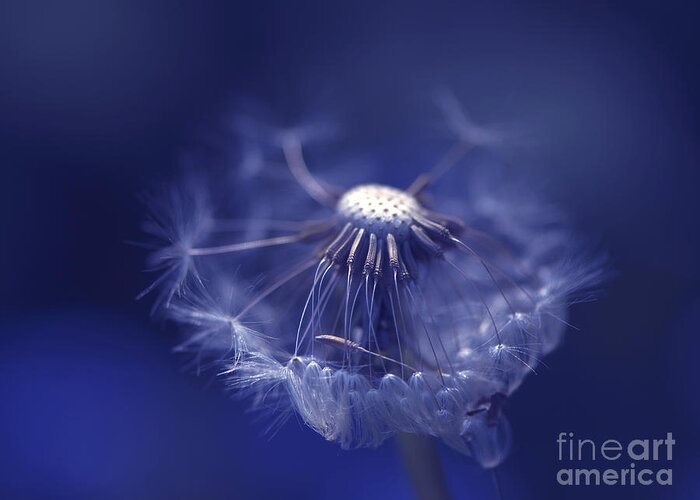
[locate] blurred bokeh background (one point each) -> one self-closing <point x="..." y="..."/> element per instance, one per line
<point x="100" y="100"/>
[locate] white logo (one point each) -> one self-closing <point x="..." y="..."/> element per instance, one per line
<point x="641" y="461"/>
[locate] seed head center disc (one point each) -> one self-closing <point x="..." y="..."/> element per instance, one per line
<point x="379" y="209"/>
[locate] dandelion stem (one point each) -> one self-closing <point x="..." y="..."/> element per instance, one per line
<point x="497" y="483"/>
<point x="422" y="462"/>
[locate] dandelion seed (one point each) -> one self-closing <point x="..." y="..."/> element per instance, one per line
<point x="385" y="316"/>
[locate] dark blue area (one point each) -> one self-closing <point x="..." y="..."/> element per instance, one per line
<point x="98" y="101"/>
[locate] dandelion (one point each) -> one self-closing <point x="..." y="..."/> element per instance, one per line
<point x="383" y="310"/>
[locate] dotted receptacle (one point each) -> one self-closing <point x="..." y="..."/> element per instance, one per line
<point x="379" y="209"/>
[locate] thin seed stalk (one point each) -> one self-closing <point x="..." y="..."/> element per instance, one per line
<point x="420" y="457"/>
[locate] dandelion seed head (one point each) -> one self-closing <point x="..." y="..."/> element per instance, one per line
<point x="391" y="312"/>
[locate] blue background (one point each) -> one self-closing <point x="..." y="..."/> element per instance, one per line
<point x="99" y="100"/>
